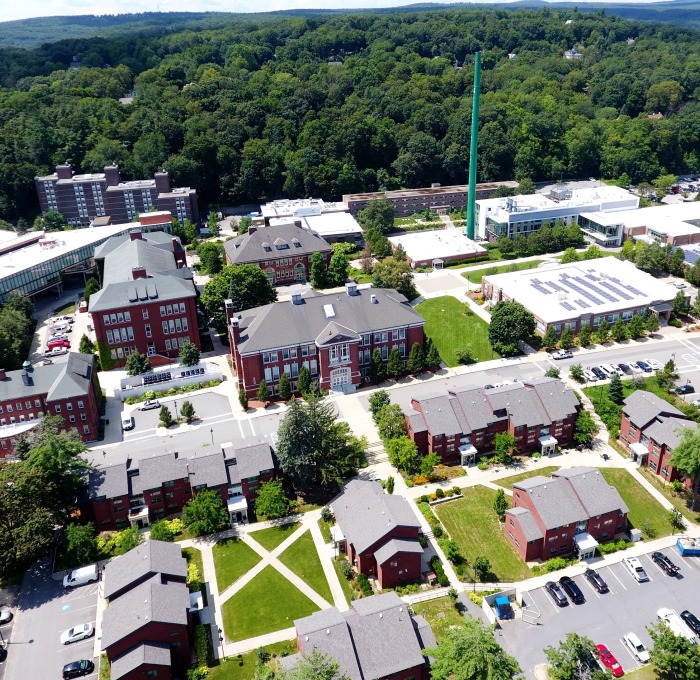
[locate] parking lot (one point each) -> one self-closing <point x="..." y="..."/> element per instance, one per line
<point x="628" y="607"/>
<point x="45" y="611"/>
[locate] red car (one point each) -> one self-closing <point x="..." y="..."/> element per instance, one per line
<point x="609" y="661"/>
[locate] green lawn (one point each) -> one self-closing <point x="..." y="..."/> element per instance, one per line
<point x="507" y="482"/>
<point x="194" y="555"/>
<point x="680" y="501"/>
<point x="472" y="522"/>
<point x="441" y="614"/>
<point x="453" y="326"/>
<point x="325" y="528"/>
<point x="476" y="276"/>
<point x="359" y="276"/>
<point x="266" y="604"/>
<point x="643" y="507"/>
<point x="302" y="558"/>
<point x="272" y="537"/>
<point x="243" y="666"/>
<point x="232" y="559"/>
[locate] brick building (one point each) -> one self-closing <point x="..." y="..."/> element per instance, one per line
<point x="282" y="251"/>
<point x="461" y="425"/>
<point x="140" y="492"/>
<point x="69" y="390"/>
<point x="379" y="533"/>
<point x="146" y="629"/>
<point x="332" y="335"/>
<point x="650" y="429"/>
<point x="571" y="512"/>
<point x="377" y="638"/>
<point x="82" y="198"/>
<point x="148" y="297"/>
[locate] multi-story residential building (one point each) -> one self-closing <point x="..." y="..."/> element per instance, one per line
<point x="379" y="533"/>
<point x="282" y="251"/>
<point x="461" y="425"/>
<point x="650" y="429"/>
<point x="69" y="390"/>
<point x="140" y="492"/>
<point x="82" y="198"/>
<point x="333" y="336"/>
<point x="410" y="201"/>
<point x="148" y="298"/>
<point x="377" y="638"/>
<point x="571" y="512"/>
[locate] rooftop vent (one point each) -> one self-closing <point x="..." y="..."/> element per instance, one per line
<point x="296" y="298"/>
<point x="351" y="289"/>
<point x="373" y="299"/>
<point x="329" y="311"/>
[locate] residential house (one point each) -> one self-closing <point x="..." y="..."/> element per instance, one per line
<point x="69" y="389"/>
<point x="377" y="639"/>
<point x="650" y="429"/>
<point x="461" y="425"/>
<point x="333" y="335"/>
<point x="571" y="512"/>
<point x="379" y="533"/>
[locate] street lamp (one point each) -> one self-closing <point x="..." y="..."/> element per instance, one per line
<point x="211" y="431"/>
<point x="221" y="640"/>
<point x="177" y="416"/>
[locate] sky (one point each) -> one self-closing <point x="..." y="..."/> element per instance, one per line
<point x="10" y="10"/>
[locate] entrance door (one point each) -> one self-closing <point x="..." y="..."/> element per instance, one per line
<point x="341" y="376"/>
<point x="299" y="272"/>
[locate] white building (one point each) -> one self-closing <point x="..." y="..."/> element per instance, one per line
<point x="677" y="224"/>
<point x="300" y="207"/>
<point x="604" y="229"/>
<point x="434" y="248"/>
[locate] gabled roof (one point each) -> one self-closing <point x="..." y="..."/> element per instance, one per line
<point x="366" y="514"/>
<point x="642" y="407"/>
<point x="596" y="495"/>
<point x="667" y="431"/>
<point x="558" y="400"/>
<point x="110" y="481"/>
<point x="137" y="253"/>
<point x="553" y="501"/>
<point x="529" y="526"/>
<point x="396" y="546"/>
<point x="334" y="332"/>
<point x="151" y="653"/>
<point x="174" y="285"/>
<point x="520" y="403"/>
<point x="74" y="378"/>
<point x="159" y="239"/>
<point x="440" y="415"/>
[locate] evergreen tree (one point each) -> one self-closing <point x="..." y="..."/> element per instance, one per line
<point x="243" y="398"/>
<point x="500" y="504"/>
<point x="567" y="340"/>
<point x="394" y="367"/>
<point x="400" y="253"/>
<point x="615" y="391"/>
<point x="432" y="356"/>
<point x="337" y="273"/>
<point x="619" y="330"/>
<point x="603" y="332"/>
<point x="635" y="328"/>
<point x="304" y="381"/>
<point x="652" y="323"/>
<point x="584" y="335"/>
<point x="377" y="370"/>
<point x="137" y="363"/>
<point x="285" y="390"/>
<point x="389" y="485"/>
<point x="318" y="271"/>
<point x="576" y="372"/>
<point x="263" y="392"/>
<point x="187" y="411"/>
<point x="189" y="354"/>
<point x="165" y="418"/>
<point x="91" y="287"/>
<point x="86" y="345"/>
<point x="415" y="359"/>
<point x="549" y="341"/>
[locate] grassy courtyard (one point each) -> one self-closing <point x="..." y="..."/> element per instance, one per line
<point x="266" y="604"/>
<point x="302" y="558"/>
<point x="194" y="555"/>
<point x="325" y="528"/>
<point x="507" y="482"/>
<point x="272" y="537"/>
<point x="243" y="666"/>
<point x="644" y="509"/>
<point x="473" y="524"/>
<point x="232" y="559"/>
<point x="441" y="614"/>
<point x="476" y="276"/>
<point x="453" y="326"/>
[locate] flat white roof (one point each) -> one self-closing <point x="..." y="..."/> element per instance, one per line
<point x="604" y="219"/>
<point x="332" y="224"/>
<point x="434" y="245"/>
<point x="591" y="287"/>
<point x="286" y="207"/>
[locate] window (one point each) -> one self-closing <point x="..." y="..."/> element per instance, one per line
<point x="57" y="408"/>
<point x="169" y="309"/>
<point x="385" y="353"/>
<point x="110" y="338"/>
<point x="72" y="419"/>
<point x="105" y="318"/>
<point x="69" y="406"/>
<point x="366" y="338"/>
<point x="144" y="311"/>
<point x="147" y="328"/>
<point x="19" y="406"/>
<point x="165" y="327"/>
<point x="167" y="343"/>
<point x="37" y="403"/>
<point x="120" y="317"/>
<point x="83" y="416"/>
<point x="162" y="311"/>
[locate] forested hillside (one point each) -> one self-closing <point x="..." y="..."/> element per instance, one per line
<point x="324" y="106"/>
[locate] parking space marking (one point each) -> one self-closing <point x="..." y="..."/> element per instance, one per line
<point x="252" y="429"/>
<point x="557" y="608"/>
<point x="616" y="578"/>
<point x="627" y="649"/>
<point x="690" y="563"/>
<point x="81" y="609"/>
<point x="596" y="593"/>
<point x="656" y="565"/>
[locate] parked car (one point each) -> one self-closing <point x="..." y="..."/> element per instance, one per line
<point x="562" y="354"/>
<point x="598" y="373"/>
<point x="610" y="370"/>
<point x="5" y="616"/>
<point x="656" y="365"/>
<point x="60" y="327"/>
<point x="556" y="594"/>
<point x="3" y="654"/>
<point x="77" y="633"/>
<point x="596" y="580"/>
<point x="696" y="402"/>
<point x="664" y="563"/>
<point x="76" y="669"/>
<point x="64" y="318"/>
<point x="488" y="387"/>
<point x="684" y="389"/>
<point x="636" y="569"/>
<point x="691" y="621"/>
<point x="589" y="375"/>
<point x="625" y="369"/>
<point x="635" y="369"/>
<point x="644" y="366"/>
<point x="609" y="661"/>
<point x="637" y="648"/>
<point x="676" y="624"/>
<point x="127" y="423"/>
<point x="149" y="404"/>
<point x="680" y="285"/>
<point x="57" y="336"/>
<point x="52" y="344"/>
<point x="81" y="576"/>
<point x="56" y="352"/>
<point x="572" y="590"/>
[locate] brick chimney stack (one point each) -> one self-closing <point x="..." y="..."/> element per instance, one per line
<point x="135" y="235"/>
<point x="112" y="177"/>
<point x="64" y="171"/>
<point x="138" y="273"/>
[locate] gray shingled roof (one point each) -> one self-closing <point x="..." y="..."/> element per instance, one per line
<point x="152" y="557"/>
<point x="426" y="637"/>
<point x="440" y="416"/>
<point x="417" y="421"/>
<point x="152" y="653"/>
<point x="475" y="406"/>
<point x="74" y="379"/>
<point x="395" y="546"/>
<point x="110" y="481"/>
<point x="159" y="239"/>
<point x="366" y="514"/>
<point x="252" y="247"/>
<point x="595" y="494"/>
<point x="148" y="602"/>
<point x="137" y="253"/>
<point x="642" y="407"/>
<point x="527" y="522"/>
<point x="252" y="457"/>
<point x="282" y="324"/>
<point x="521" y="403"/>
<point x="553" y="500"/>
<point x="666" y="430"/>
<point x="559" y="401"/>
<point x="158" y="288"/>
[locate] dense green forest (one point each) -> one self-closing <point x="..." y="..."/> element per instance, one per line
<point x="323" y="106"/>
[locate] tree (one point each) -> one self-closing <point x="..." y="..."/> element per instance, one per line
<point x="576" y="372"/>
<point x="686" y="458"/>
<point x="272" y="502"/>
<point x="674" y="657"/>
<point x="415" y="359"/>
<point x="80" y="546"/>
<point x="675" y="519"/>
<point x="584" y="335"/>
<point x="337" y="273"/>
<point x="304" y="381"/>
<point x="263" y="394"/>
<point x="679" y="304"/>
<point x="389" y="485"/>
<point x="585" y="428"/>
<point x="187" y="411"/>
<point x="391" y="422"/>
<point x="635" y="328"/>
<point x="526" y="186"/>
<point x="552" y="372"/>
<point x="482" y="565"/>
<point x="615" y="390"/>
<point x="165" y="418"/>
<point x="667" y="376"/>
<point x="567" y="341"/>
<point x="377" y="369"/>
<point x="619" y="330"/>
<point x="246" y="285"/>
<point x="377" y="402"/>
<point x="549" y="340"/>
<point x="51" y="220"/>
<point x="391" y="273"/>
<point x="400" y="253"/>
<point x="213" y="223"/>
<point x="395" y="366"/>
<point x="86" y="345"/>
<point x="285" y="389"/>
<point x="503" y="444"/>
<point x="574" y="659"/>
<point x="471" y="652"/>
<point x="211" y="257"/>
<point x="318" y="270"/>
<point x="189" y="354"/>
<point x="137" y="363"/>
<point x="652" y="323"/>
<point x="500" y="504"/>
<point x="205" y="514"/>
<point x="379" y="215"/>
<point x="570" y="255"/>
<point x="427" y="465"/>
<point x="403" y="454"/>
<point x="161" y="531"/>
<point x="603" y="332"/>
<point x="315" y="666"/>
<point x="92" y="286"/>
<point x="510" y="323"/>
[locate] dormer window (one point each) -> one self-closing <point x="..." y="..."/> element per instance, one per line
<point x="266" y="247"/>
<point x="296" y="242"/>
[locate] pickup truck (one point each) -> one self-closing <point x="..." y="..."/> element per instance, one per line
<point x="636" y="569"/>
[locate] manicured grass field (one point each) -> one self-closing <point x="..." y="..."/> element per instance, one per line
<point x="441" y="614"/>
<point x="453" y="326"/>
<point x="507" y="482"/>
<point x="302" y="558"/>
<point x="272" y="537"/>
<point x="232" y="559"/>
<point x="243" y="666"/>
<point x="472" y="522"/>
<point x="344" y="583"/>
<point x="325" y="528"/>
<point x="680" y="501"/>
<point x="266" y="604"/>
<point x="194" y="555"/>
<point x="643" y="507"/>
<point x="476" y="276"/>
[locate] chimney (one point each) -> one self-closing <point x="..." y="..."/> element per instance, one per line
<point x="135" y="235"/>
<point x="373" y="299"/>
<point x="162" y="182"/>
<point x="351" y="289"/>
<point x="235" y="331"/>
<point x="296" y="298"/>
<point x="138" y="273"/>
<point x="3" y="375"/>
<point x="112" y="177"/>
<point x="177" y="455"/>
<point x="228" y="309"/>
<point x="176" y="244"/>
<point x="252" y="230"/>
<point x="64" y="171"/>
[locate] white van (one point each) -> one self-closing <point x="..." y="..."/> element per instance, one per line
<point x="611" y="370"/>
<point x="675" y="624"/>
<point x="79" y="577"/>
<point x="637" y="648"/>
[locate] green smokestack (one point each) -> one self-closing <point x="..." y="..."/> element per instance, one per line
<point x="471" y="207"/>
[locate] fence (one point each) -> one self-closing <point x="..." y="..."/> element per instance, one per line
<point x="133" y="386"/>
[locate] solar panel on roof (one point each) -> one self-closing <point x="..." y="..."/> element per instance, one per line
<point x="568" y="306"/>
<point x="582" y="304"/>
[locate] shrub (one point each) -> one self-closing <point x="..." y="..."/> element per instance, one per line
<point x="483" y="465"/>
<point x="423" y="541"/>
<point x="677" y="486"/>
<point x="537" y="570"/>
<point x="537" y="455"/>
<point x="438" y="531"/>
<point x="346" y="569"/>
<point x="439" y="493"/>
<point x="613" y="546"/>
<point x="449" y="493"/>
<point x="365" y="585"/>
<point x="420" y="479"/>
<point x="433" y="496"/>
<point x="194" y="578"/>
<point x="326" y="514"/>
<point x="554" y="564"/>
<point x="423" y="499"/>
<point x="409" y="483"/>
<point x="437" y="567"/>
<point x="200" y="645"/>
<point x="161" y="531"/>
<point x="451" y="549"/>
<point x="648" y="529"/>
<point x="456" y="490"/>
<point x="476" y="599"/>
